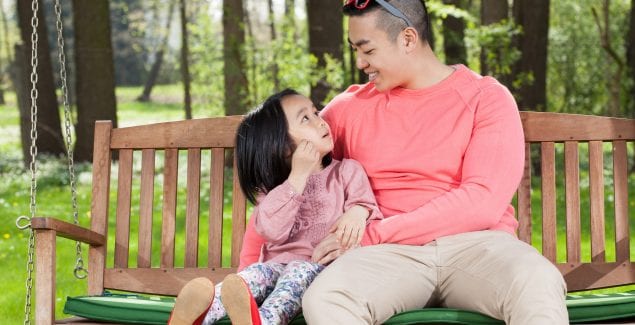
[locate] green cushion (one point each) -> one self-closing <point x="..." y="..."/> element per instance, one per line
<point x="139" y="309"/>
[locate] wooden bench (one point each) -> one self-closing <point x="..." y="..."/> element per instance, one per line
<point x="148" y="167"/>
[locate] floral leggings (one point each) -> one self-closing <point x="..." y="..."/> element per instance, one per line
<point x="276" y="287"/>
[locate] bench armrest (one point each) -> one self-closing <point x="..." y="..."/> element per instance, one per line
<point x="68" y="230"/>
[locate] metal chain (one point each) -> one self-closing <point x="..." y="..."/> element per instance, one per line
<point x="32" y="165"/>
<point x="79" y="271"/>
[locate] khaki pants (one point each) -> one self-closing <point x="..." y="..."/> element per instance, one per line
<point x="491" y="272"/>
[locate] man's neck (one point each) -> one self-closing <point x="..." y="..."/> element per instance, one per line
<point x="427" y="70"/>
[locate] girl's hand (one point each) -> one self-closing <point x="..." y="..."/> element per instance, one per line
<point x="349" y="229"/>
<point x="305" y="160"/>
<point x="327" y="250"/>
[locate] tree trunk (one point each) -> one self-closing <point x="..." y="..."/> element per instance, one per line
<point x="274" y="64"/>
<point x="4" y="67"/>
<point x="185" y="66"/>
<point x="235" y="77"/>
<point x="158" y="57"/>
<point x="630" y="58"/>
<point x="614" y="78"/>
<point x="325" y="28"/>
<point x="251" y="72"/>
<point x="49" y="127"/>
<point x="20" y="77"/>
<point x="492" y="11"/>
<point x="533" y="16"/>
<point x="95" y="72"/>
<point x="453" y="35"/>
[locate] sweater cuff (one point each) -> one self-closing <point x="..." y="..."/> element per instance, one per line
<point x="368" y="239"/>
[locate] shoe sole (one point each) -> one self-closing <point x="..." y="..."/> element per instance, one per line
<point x="192" y="303"/>
<point x="236" y="300"/>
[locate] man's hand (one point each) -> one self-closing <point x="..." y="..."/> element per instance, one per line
<point x="349" y="229"/>
<point x="305" y="161"/>
<point x="327" y="250"/>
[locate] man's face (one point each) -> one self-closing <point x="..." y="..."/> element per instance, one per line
<point x="379" y="57"/>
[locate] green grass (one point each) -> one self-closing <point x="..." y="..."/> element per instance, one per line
<point x="53" y="199"/>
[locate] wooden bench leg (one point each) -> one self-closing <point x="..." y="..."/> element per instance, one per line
<point x="44" y="277"/>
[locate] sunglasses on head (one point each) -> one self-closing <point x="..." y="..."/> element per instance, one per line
<point x="362" y="4"/>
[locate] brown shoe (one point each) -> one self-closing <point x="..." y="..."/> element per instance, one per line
<point x="240" y="305"/>
<point x="193" y="302"/>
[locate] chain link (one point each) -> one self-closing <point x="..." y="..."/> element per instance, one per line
<point x="79" y="271"/>
<point x="32" y="164"/>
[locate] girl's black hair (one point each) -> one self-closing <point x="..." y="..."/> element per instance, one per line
<point x="264" y="148"/>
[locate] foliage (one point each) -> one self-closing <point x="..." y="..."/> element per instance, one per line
<point x="495" y="40"/>
<point x="128" y="33"/>
<point x="578" y="68"/>
<point x="206" y="63"/>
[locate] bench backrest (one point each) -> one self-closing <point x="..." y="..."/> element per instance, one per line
<point x="591" y="215"/>
<point x="155" y="203"/>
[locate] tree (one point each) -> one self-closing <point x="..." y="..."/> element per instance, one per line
<point x="533" y="16"/>
<point x="235" y="77"/>
<point x="185" y="66"/>
<point x="4" y="68"/>
<point x="127" y="18"/>
<point x="274" y="63"/>
<point x="630" y="57"/>
<point x="95" y="72"/>
<point x="49" y="129"/>
<point x="614" y="82"/>
<point x="453" y="35"/>
<point x="325" y="21"/>
<point x="158" y="56"/>
<point x="492" y="11"/>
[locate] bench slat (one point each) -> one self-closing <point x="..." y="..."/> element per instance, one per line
<point x="238" y="218"/>
<point x="193" y="133"/>
<point x="587" y="276"/>
<point x="596" y="193"/>
<point x="168" y="219"/>
<point x="124" y="185"/>
<point x="524" y="200"/>
<point x="620" y="177"/>
<point x="216" y="208"/>
<point x="102" y="162"/>
<point x="572" y="195"/>
<point x="163" y="281"/>
<point x="558" y="127"/>
<point x="548" y="168"/>
<point x="192" y="206"/>
<point x="146" y="204"/>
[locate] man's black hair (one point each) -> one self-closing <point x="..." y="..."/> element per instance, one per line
<point x="414" y="10"/>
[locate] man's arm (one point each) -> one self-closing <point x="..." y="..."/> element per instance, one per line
<point x="492" y="168"/>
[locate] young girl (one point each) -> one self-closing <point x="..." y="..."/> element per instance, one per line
<point x="301" y="195"/>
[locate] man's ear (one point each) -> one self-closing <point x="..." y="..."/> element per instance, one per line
<point x="410" y="38"/>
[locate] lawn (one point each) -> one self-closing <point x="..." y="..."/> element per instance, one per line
<point x="53" y="199"/>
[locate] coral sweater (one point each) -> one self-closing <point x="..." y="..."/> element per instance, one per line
<point x="441" y="160"/>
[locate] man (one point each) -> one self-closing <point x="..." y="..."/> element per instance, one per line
<point x="443" y="149"/>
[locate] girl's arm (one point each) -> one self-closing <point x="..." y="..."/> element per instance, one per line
<point x="358" y="190"/>
<point x="275" y="214"/>
<point x="359" y="206"/>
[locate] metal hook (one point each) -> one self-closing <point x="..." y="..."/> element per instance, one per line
<point x="24" y="226"/>
<point x="79" y="267"/>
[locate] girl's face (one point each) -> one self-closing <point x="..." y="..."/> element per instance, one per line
<point x="305" y="123"/>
